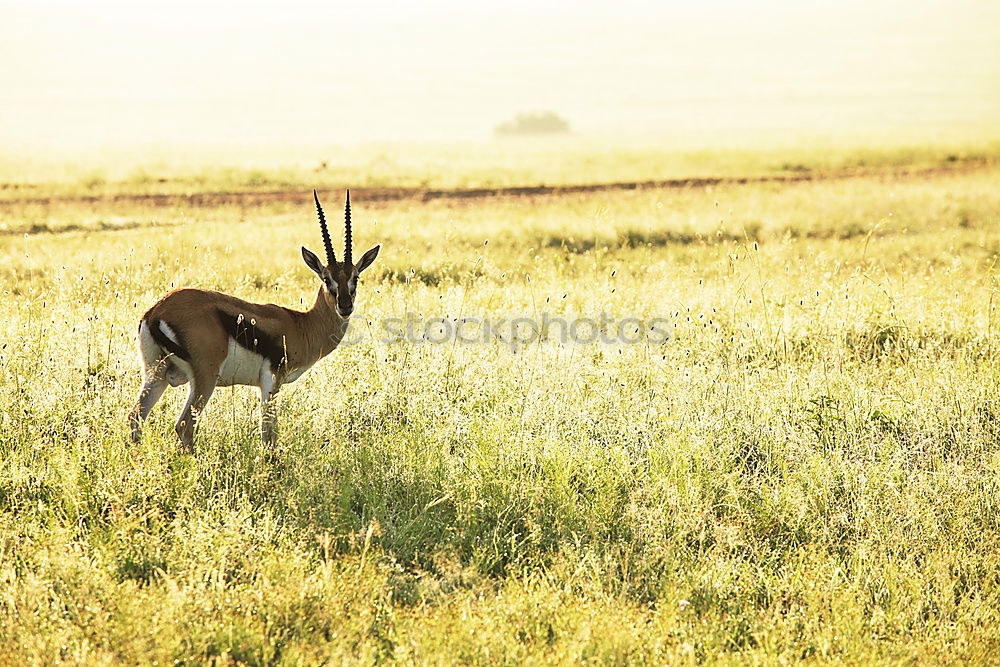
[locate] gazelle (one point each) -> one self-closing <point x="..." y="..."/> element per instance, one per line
<point x="211" y="339"/>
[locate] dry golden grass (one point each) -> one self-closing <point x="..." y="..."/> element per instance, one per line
<point x="806" y="470"/>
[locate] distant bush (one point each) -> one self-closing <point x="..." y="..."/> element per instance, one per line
<point x="530" y="124"/>
<point x="93" y="179"/>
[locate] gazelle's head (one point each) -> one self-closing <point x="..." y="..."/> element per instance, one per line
<point x="340" y="279"/>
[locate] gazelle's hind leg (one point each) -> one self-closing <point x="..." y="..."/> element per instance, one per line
<point x="202" y="386"/>
<point x="153" y="387"/>
<point x="155" y="369"/>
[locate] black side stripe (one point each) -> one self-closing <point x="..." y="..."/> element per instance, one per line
<point x="165" y="343"/>
<point x="248" y="335"/>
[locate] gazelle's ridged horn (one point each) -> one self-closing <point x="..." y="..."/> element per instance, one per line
<point x="331" y="258"/>
<point x="347" y="229"/>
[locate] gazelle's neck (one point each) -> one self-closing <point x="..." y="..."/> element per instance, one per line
<point x="325" y="326"/>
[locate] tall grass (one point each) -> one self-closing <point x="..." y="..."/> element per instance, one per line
<point x="806" y="470"/>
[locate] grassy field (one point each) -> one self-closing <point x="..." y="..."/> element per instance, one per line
<point x="808" y="469"/>
<point x="105" y="172"/>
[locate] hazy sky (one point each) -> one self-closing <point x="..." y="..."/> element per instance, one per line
<point x="120" y="72"/>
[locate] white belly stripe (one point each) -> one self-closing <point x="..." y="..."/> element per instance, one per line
<point x="241" y="366"/>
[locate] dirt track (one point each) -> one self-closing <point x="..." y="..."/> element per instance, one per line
<point x="250" y="198"/>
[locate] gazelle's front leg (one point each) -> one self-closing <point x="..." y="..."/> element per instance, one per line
<point x="269" y="385"/>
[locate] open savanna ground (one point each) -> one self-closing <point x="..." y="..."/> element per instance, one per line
<point x="218" y="173"/>
<point x="807" y="468"/>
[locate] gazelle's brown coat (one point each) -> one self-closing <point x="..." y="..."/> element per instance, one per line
<point x="211" y="339"/>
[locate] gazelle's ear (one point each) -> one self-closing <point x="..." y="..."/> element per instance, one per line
<point x="367" y="258"/>
<point x="312" y="261"/>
